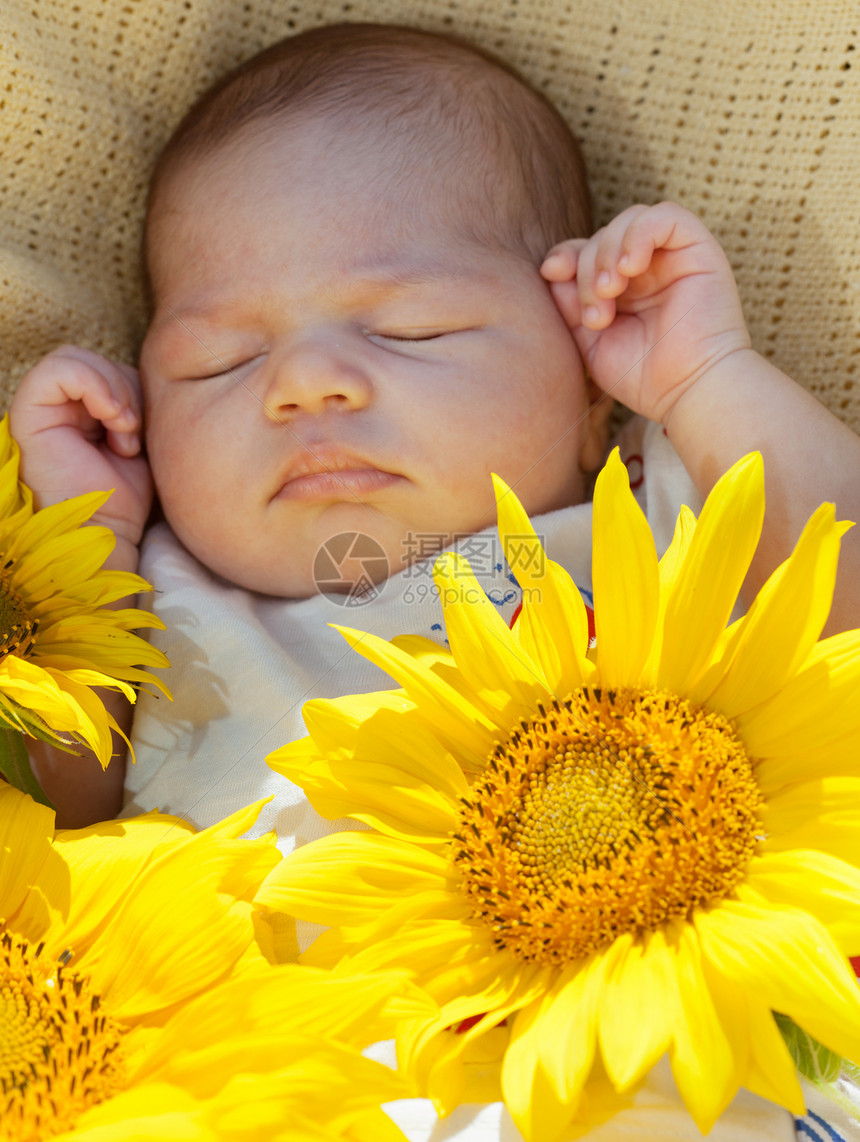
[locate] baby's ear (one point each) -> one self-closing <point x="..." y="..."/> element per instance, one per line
<point x="594" y="433"/>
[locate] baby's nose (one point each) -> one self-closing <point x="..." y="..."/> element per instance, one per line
<point x="315" y="374"/>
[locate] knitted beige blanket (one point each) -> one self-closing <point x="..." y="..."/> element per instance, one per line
<point x="746" y="111"/>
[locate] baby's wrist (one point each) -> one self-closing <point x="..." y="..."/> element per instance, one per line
<point x="124" y="557"/>
<point x="705" y="393"/>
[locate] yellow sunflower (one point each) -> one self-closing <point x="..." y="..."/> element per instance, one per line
<point x="138" y="1001"/>
<point x="16" y="499"/>
<point x="598" y="858"/>
<point x="58" y="636"/>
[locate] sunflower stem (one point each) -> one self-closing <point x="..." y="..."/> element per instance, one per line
<point x="15" y="765"/>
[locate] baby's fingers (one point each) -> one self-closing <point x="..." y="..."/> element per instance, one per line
<point x="105" y="389"/>
<point x="566" y="297"/>
<point x="78" y="388"/>
<point x="665" y="226"/>
<point x="596" y="303"/>
<point x="111" y="399"/>
<point x="114" y="401"/>
<point x="124" y="433"/>
<point x="560" y="263"/>
<point x="602" y="271"/>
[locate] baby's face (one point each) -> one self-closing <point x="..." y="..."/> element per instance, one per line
<point x="329" y="355"/>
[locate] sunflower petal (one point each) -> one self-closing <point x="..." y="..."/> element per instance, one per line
<point x="46" y="568"/>
<point x="57" y="519"/>
<point x="27" y="860"/>
<point x="625" y="577"/>
<point x="638" y="1010"/>
<point x="814" y="984"/>
<point x="489" y="657"/>
<point x="562" y="673"/>
<point x="476" y="986"/>
<point x="457" y="964"/>
<point x="669" y="569"/>
<point x="771" y="1071"/>
<point x="535" y="1105"/>
<point x="719" y="554"/>
<point x="229" y="1046"/>
<point x="182" y="949"/>
<point x="28" y="685"/>
<point x="156" y="1110"/>
<point x="708" y="1055"/>
<point x="569" y="1027"/>
<point x="814" y="708"/>
<point x="309" y="1001"/>
<point x="102" y="862"/>
<point x="553" y="613"/>
<point x="822" y="815"/>
<point x="454" y="718"/>
<point x="785" y="620"/>
<point x="834" y="760"/>
<point x="92" y="721"/>
<point x="417" y="757"/>
<point x="351" y="878"/>
<point x="820" y="885"/>
<point x="479" y="1020"/>
<point x="361" y="789"/>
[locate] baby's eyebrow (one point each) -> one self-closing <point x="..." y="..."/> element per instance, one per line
<point x="192" y="324"/>
<point x="396" y="275"/>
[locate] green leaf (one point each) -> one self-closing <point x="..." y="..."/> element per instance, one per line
<point x="814" y="1061"/>
<point x="15" y="765"/>
<point x="836" y="1078"/>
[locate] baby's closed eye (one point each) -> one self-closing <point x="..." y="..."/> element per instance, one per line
<point x="406" y="334"/>
<point x="410" y="336"/>
<point x="223" y="368"/>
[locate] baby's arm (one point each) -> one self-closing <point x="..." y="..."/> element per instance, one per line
<point x="77" y="419"/>
<point x="653" y="306"/>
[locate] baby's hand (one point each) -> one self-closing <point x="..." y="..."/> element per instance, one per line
<point x="652" y="304"/>
<point x="77" y="419"/>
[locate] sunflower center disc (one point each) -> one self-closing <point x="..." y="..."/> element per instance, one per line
<point x="59" y="1054"/>
<point x="610" y="812"/>
<point x="17" y="629"/>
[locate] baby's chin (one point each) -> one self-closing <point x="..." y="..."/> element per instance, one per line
<point x="345" y="564"/>
<point x="349" y="548"/>
<point x="287" y="583"/>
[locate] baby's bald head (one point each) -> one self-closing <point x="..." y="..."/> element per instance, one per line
<point x="513" y="173"/>
<point x="344" y="241"/>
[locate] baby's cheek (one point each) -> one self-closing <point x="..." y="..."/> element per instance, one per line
<point x="181" y="473"/>
<point x="548" y="411"/>
<point x="549" y="451"/>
